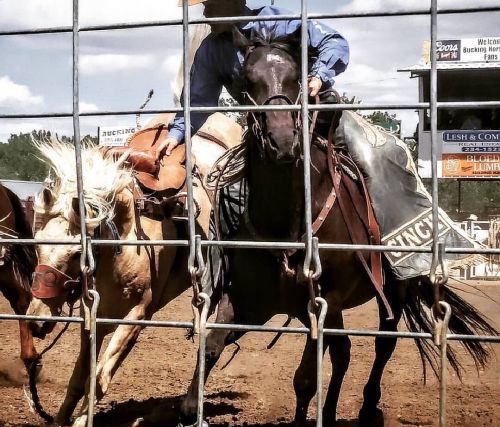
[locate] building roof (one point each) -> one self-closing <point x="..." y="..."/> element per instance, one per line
<point x="23" y="189"/>
<point x="452" y="66"/>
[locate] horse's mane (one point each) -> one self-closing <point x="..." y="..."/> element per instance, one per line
<point x="22" y="257"/>
<point x="103" y="179"/>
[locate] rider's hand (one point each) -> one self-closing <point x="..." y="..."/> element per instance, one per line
<point x="166" y="146"/>
<point x="314" y="85"/>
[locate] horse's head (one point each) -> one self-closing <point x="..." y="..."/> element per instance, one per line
<point x="272" y="73"/>
<point x="58" y="276"/>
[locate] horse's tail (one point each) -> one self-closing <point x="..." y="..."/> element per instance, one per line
<point x="465" y="319"/>
<point x="24" y="257"/>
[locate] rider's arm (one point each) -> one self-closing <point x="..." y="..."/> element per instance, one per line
<point x="331" y="52"/>
<point x="206" y="88"/>
<point x="327" y="47"/>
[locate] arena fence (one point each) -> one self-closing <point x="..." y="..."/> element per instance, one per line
<point x="311" y="245"/>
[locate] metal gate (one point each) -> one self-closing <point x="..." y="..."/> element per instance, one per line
<point x="311" y="245"/>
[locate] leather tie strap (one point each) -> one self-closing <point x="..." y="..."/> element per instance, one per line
<point x="375" y="273"/>
<point x="49" y="282"/>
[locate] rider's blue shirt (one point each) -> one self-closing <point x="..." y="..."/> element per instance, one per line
<point x="218" y="63"/>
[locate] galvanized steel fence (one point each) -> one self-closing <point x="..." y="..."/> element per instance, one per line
<point x="311" y="245"/>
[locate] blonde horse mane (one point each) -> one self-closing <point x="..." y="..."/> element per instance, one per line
<point x="103" y="179"/>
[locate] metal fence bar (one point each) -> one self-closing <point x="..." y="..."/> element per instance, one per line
<point x="433" y="105"/>
<point x="242" y="19"/>
<point x="360" y="333"/>
<point x="306" y="150"/>
<point x="255" y="244"/>
<point x="262" y="108"/>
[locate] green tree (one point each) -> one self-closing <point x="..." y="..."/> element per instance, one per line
<point x="19" y="157"/>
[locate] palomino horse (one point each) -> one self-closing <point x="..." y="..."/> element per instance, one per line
<point x="133" y="284"/>
<point x="264" y="282"/>
<point x="17" y="263"/>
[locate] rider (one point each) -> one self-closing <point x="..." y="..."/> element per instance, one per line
<point x="218" y="62"/>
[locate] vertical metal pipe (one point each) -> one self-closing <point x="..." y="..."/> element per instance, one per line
<point x="187" y="137"/>
<point x="93" y="356"/>
<point x="305" y="136"/>
<point x="201" y="355"/>
<point x="441" y="335"/>
<point x="76" y="133"/>
<point x="319" y="360"/>
<point x="433" y="108"/>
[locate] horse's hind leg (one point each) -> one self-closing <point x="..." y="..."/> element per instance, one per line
<point x="370" y="414"/>
<point x="217" y="339"/>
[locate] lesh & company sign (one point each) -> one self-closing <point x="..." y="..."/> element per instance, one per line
<point x="471" y="154"/>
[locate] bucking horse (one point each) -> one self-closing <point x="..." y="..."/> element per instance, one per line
<point x="263" y="282"/>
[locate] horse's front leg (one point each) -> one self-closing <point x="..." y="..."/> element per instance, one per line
<point x="28" y="350"/>
<point x="122" y="341"/>
<point x="370" y="414"/>
<point x="305" y="379"/>
<point x="217" y="340"/>
<point x="340" y="356"/>
<point x="79" y="377"/>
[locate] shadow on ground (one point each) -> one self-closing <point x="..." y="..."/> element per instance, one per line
<point x="164" y="412"/>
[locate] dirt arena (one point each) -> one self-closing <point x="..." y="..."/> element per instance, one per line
<point x="255" y="389"/>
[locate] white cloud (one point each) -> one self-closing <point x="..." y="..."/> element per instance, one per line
<point x="88" y="107"/>
<point x="111" y="63"/>
<point x="396" y="5"/>
<point x="35" y="13"/>
<point x="16" y="96"/>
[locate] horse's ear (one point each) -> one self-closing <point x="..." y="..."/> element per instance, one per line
<point x="239" y="39"/>
<point x="75" y="206"/>
<point x="47" y="197"/>
<point x="294" y="39"/>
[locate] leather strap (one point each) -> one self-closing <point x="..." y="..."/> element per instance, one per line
<point x="49" y="282"/>
<point x="375" y="273"/>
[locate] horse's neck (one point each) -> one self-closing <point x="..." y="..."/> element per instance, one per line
<point x="125" y="215"/>
<point x="275" y="199"/>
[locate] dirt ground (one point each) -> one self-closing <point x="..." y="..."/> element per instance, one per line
<point x="255" y="389"/>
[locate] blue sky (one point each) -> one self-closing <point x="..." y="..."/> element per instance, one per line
<point x="118" y="68"/>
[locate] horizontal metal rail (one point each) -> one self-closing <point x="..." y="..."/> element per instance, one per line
<point x="252" y="108"/>
<point x="255" y="244"/>
<point x="254" y="328"/>
<point x="243" y="19"/>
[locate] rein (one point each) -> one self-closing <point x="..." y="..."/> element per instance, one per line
<point x="34" y="400"/>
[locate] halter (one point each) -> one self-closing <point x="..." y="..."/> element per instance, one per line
<point x="49" y="282"/>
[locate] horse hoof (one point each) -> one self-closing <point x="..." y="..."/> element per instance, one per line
<point x="373" y="417"/>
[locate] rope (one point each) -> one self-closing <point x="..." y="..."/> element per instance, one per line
<point x="34" y="399"/>
<point x="228" y="169"/>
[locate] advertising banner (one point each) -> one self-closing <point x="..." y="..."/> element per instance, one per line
<point x="480" y="165"/>
<point x="115" y="136"/>
<point x="471" y="141"/>
<point x="481" y="49"/>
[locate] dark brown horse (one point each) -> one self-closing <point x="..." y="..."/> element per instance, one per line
<point x="17" y="263"/>
<point x="262" y="284"/>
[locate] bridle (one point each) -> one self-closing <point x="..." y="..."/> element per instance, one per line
<point x="259" y="123"/>
<point x="50" y="282"/>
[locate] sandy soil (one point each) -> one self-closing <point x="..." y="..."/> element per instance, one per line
<point x="255" y="389"/>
